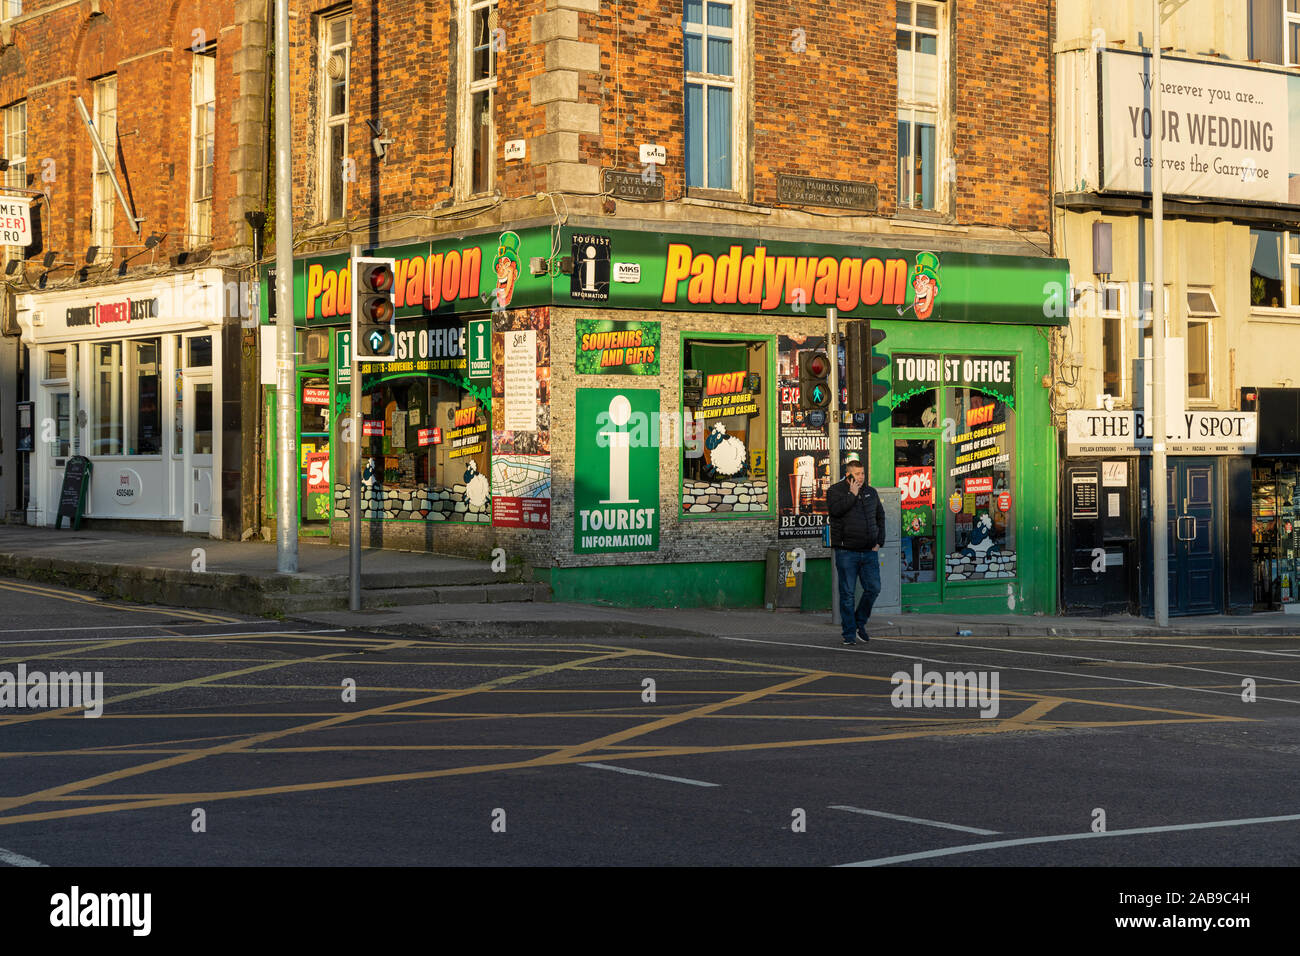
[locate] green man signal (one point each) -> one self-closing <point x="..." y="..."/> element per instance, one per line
<point x="373" y="310"/>
<point x="814" y="387"/>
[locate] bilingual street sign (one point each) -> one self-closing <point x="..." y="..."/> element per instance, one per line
<point x="480" y="348"/>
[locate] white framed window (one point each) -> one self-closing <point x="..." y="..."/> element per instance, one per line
<point x="10" y="9"/>
<point x="1202" y="309"/>
<point x="1114" y="336"/>
<point x="1274" y="31"/>
<point x="335" y="64"/>
<point x="104" y="195"/>
<point x="715" y="57"/>
<point x="13" y="148"/>
<point x="476" y="153"/>
<point x="921" y="39"/>
<point x="203" y="115"/>
<point x="1292" y="32"/>
<point x="1274" y="269"/>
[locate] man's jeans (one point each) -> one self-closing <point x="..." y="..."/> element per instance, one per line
<point x="853" y="566"/>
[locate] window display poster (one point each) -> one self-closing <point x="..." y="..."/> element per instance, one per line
<point x="612" y="347"/>
<point x="615" y="478"/>
<point x="804" y="462"/>
<point x="521" y="419"/>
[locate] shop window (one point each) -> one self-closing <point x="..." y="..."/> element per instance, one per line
<point x="920" y="43"/>
<point x="425" y="451"/>
<point x="203" y="112"/>
<point x="917" y="411"/>
<point x="335" y="62"/>
<point x="10" y="9"/>
<point x="1274" y="31"/>
<point x="979" y="537"/>
<point x="13" y="147"/>
<point x="483" y="39"/>
<point x="725" y="423"/>
<point x="1274" y="269"/>
<point x="104" y="194"/>
<point x="710" y="34"/>
<point x="56" y="364"/>
<point x="1112" y="340"/>
<point x="1198" y="359"/>
<point x="200" y="351"/>
<point x="202" y="440"/>
<point x="106" y="399"/>
<point x="914" y="474"/>
<point x="145" y="429"/>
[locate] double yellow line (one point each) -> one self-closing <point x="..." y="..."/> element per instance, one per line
<point x="60" y="594"/>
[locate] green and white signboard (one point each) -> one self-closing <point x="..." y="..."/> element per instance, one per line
<point x="616" y="471"/>
<point x="479" y="340"/>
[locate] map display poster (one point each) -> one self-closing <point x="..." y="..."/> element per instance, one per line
<point x="615" y="471"/>
<point x="521" y="419"/>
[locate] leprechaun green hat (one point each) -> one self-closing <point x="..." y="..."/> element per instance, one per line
<point x="508" y="247"/>
<point x="927" y="264"/>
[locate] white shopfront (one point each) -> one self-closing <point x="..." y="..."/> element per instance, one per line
<point x="124" y="375"/>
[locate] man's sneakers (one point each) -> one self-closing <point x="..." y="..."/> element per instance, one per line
<point x="862" y="633"/>
<point x="850" y="641"/>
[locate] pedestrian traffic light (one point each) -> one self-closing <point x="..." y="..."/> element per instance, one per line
<point x="814" y="389"/>
<point x="373" y="310"/>
<point x="861" y="363"/>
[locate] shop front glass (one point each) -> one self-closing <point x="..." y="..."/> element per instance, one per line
<point x="726" y="423"/>
<point x="1275" y="526"/>
<point x="953" y="428"/>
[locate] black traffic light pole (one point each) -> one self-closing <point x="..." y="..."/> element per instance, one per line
<point x="354" y="461"/>
<point x="833" y="351"/>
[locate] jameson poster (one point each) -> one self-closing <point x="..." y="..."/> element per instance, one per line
<point x="616" y="471"/>
<point x="612" y="347"/>
<point x="803" y="449"/>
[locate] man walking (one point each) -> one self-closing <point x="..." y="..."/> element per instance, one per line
<point x="857" y="532"/>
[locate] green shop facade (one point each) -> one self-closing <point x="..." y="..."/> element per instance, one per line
<point x="619" y="410"/>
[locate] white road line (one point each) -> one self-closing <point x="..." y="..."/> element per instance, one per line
<point x="928" y="823"/>
<point x="1194" y="647"/>
<point x="177" y="637"/>
<point x="1128" y="682"/>
<point x="121" y="627"/>
<point x="646" y="773"/>
<point x="1062" y="837"/>
<point x="17" y="859"/>
<point x="1109" y="660"/>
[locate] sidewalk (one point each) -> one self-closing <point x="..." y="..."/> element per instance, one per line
<point x="242" y="577"/>
<point x="233" y="575"/>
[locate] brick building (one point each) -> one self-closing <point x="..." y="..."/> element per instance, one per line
<point x="127" y="300"/>
<point x="654" y="204"/>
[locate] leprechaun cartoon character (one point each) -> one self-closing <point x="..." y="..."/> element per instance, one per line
<point x="925" y="284"/>
<point x="506" y="267"/>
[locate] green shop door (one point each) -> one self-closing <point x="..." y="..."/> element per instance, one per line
<point x="315" y="490"/>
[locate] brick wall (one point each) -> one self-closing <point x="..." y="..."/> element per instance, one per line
<point x="52" y="53"/>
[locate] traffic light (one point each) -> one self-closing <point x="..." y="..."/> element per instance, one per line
<point x="814" y="389"/>
<point x="373" y="310"/>
<point x="861" y="363"/>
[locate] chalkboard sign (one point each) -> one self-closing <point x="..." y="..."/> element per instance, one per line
<point x="72" y="499"/>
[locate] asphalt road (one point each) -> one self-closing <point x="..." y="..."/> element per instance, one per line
<point x="230" y="742"/>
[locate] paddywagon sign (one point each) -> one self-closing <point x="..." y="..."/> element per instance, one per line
<point x="1100" y="432"/>
<point x="15" y="221"/>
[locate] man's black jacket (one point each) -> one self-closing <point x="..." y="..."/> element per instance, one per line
<point x="857" y="521"/>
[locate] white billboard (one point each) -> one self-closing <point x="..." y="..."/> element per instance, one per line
<point x="1226" y="131"/>
<point x="15" y="221"/>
